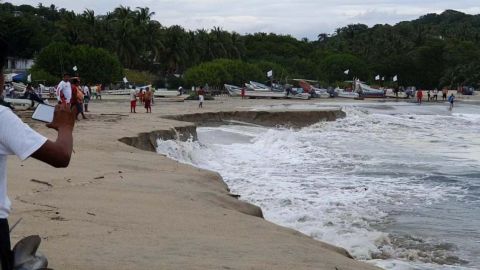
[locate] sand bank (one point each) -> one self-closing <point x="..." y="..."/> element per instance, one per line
<point x="120" y="207"/>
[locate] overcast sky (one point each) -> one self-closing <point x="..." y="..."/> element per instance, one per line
<point x="300" y="18"/>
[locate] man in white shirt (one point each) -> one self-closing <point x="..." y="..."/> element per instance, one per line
<point x="16" y="138"/>
<point x="86" y="97"/>
<point x="64" y="90"/>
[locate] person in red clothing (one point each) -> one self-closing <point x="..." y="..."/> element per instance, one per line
<point x="419" y="96"/>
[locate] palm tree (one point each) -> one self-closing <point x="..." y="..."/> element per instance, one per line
<point x="70" y="27"/>
<point x="143" y="15"/>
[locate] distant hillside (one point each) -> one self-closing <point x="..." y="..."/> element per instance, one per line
<point x="432" y="51"/>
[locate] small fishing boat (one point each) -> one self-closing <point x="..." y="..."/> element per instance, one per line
<point x="342" y="93"/>
<point x="368" y="92"/>
<point x="236" y="91"/>
<point x="313" y="91"/>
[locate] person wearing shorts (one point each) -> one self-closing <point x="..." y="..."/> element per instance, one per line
<point x="86" y="98"/>
<point x="148" y="100"/>
<point x="451" y="100"/>
<point x="133" y="100"/>
<point x="201" y="97"/>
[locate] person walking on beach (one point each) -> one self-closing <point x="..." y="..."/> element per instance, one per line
<point x="451" y="100"/>
<point x="64" y="90"/>
<point x="133" y="100"/>
<point x="77" y="98"/>
<point x="148" y="100"/>
<point x="141" y="95"/>
<point x="435" y="94"/>
<point x="87" y="97"/>
<point x="242" y="93"/>
<point x="17" y="138"/>
<point x="444" y="93"/>
<point x="419" y="96"/>
<point x="428" y="95"/>
<point x="201" y="97"/>
<point x="99" y="92"/>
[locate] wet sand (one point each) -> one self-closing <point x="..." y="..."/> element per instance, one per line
<point x="119" y="207"/>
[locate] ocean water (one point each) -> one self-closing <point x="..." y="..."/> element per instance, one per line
<point x="396" y="185"/>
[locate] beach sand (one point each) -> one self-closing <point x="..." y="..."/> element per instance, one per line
<point x="119" y="207"/>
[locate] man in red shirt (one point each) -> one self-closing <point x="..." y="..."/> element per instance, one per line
<point x="419" y="96"/>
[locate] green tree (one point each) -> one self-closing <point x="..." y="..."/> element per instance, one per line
<point x="94" y="65"/>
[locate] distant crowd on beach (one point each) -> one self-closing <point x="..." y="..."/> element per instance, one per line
<point x="146" y="96"/>
<point x="70" y="91"/>
<point x="433" y="96"/>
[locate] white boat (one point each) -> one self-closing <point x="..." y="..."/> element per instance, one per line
<point x="119" y="92"/>
<point x="236" y="91"/>
<point x="166" y="93"/>
<point x="20" y="104"/>
<point x="308" y="88"/>
<point x="345" y="94"/>
<point x="252" y="87"/>
<point x="19" y="87"/>
<point x="275" y="87"/>
<point x="366" y="91"/>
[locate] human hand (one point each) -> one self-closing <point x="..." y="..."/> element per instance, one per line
<point x="63" y="117"/>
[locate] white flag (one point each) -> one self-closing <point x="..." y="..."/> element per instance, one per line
<point x="346" y="71"/>
<point x="75" y="68"/>
<point x="125" y="80"/>
<point x="29" y="78"/>
<point x="395" y="78"/>
<point x="270" y="74"/>
<point x="377" y="78"/>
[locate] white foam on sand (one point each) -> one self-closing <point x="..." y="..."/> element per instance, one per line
<point x="341" y="182"/>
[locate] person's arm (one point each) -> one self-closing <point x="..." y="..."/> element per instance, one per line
<point x="58" y="91"/>
<point x="58" y="153"/>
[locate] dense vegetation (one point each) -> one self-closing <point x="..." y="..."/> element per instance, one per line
<point x="432" y="51"/>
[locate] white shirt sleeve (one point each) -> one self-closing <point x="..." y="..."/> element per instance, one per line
<point x="67" y="92"/>
<point x="17" y="137"/>
<point x="59" y="90"/>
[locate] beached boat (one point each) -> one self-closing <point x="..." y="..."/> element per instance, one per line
<point x="368" y="92"/>
<point x="254" y="87"/>
<point x="20" y="104"/>
<point x="338" y="92"/>
<point x="19" y="87"/>
<point x="313" y="91"/>
<point x="236" y="91"/>
<point x="119" y="92"/>
<point x="262" y="87"/>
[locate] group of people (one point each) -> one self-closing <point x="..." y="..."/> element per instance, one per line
<point x="69" y="91"/>
<point x="430" y="97"/>
<point x="145" y="96"/>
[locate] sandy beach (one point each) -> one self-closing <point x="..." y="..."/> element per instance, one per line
<point x="119" y="207"/>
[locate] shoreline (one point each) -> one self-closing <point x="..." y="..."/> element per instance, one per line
<point x="120" y="207"/>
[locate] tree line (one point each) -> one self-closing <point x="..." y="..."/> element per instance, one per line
<point x="435" y="50"/>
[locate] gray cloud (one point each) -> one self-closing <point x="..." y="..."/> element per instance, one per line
<point x="301" y="18"/>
